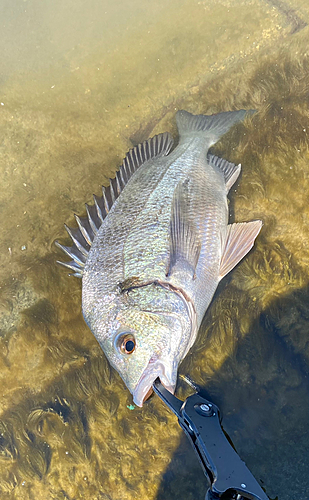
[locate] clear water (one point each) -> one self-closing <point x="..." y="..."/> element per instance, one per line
<point x="80" y="83"/>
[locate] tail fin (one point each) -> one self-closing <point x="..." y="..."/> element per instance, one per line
<point x="211" y="127"/>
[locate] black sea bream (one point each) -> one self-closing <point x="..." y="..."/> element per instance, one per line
<point x="153" y="249"/>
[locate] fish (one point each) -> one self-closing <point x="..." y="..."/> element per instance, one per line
<point x="154" y="247"/>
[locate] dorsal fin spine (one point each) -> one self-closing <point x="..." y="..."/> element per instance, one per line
<point x="91" y="219"/>
<point x="106" y="205"/>
<point x="143" y="152"/>
<point x="99" y="211"/>
<point x="120" y="182"/>
<point x="80" y="247"/>
<point x="139" y="156"/>
<point x="83" y="229"/>
<point x="113" y="191"/>
<point x="74" y="253"/>
<point x="124" y="172"/>
<point x="131" y="158"/>
<point x="116" y="188"/>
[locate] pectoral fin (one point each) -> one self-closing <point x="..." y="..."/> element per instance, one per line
<point x="185" y="246"/>
<point x="239" y="240"/>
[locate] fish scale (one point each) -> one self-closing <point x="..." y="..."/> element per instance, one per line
<point x="154" y="248"/>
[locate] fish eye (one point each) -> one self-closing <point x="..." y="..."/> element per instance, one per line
<point x="126" y="343"/>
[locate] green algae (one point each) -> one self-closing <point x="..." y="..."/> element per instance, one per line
<point x="68" y="117"/>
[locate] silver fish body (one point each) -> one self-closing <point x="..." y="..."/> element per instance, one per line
<point x="153" y="260"/>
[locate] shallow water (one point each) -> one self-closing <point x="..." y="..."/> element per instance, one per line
<point x="81" y="83"/>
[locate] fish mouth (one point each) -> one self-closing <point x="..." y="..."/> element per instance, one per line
<point x="155" y="368"/>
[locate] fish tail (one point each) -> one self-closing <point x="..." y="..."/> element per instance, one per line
<point x="212" y="127"/>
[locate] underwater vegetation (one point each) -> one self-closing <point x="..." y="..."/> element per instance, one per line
<point x="67" y="430"/>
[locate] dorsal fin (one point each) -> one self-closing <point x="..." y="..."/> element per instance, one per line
<point x="229" y="170"/>
<point x="83" y="236"/>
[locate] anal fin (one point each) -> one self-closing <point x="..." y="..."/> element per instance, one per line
<point x="239" y="240"/>
<point x="185" y="246"/>
<point x="229" y="170"/>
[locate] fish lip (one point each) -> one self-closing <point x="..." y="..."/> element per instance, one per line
<point x="155" y="368"/>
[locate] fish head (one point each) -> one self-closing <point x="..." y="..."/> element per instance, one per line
<point x="144" y="333"/>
